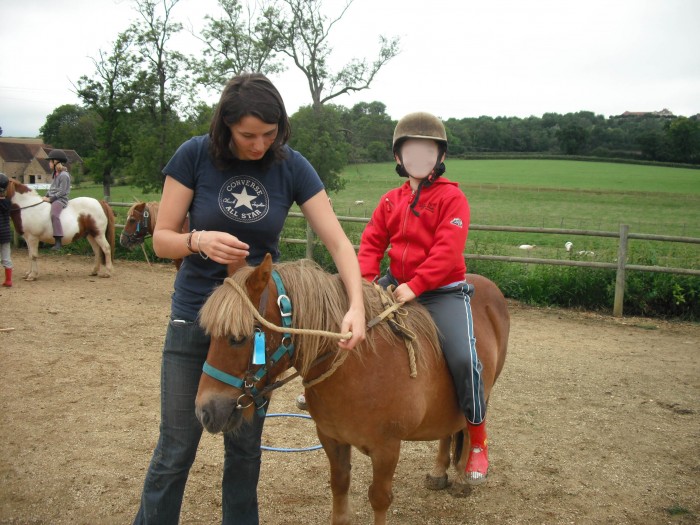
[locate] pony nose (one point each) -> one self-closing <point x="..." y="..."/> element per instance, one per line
<point x="206" y="416"/>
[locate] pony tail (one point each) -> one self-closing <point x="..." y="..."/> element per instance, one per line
<point x="110" y="232"/>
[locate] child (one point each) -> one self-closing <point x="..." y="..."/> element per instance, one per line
<point x="58" y="193"/>
<point x="5" y="234"/>
<point x="425" y="223"/>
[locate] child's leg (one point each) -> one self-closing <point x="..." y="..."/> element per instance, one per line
<point x="451" y="311"/>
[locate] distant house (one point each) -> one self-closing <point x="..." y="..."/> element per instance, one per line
<point x="27" y="160"/>
<point x="664" y="113"/>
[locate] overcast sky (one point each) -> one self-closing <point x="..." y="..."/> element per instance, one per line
<point x="459" y="58"/>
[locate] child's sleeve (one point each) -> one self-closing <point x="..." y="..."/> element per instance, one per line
<point x="374" y="242"/>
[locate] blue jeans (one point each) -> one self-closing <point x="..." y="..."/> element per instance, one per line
<point x="184" y="353"/>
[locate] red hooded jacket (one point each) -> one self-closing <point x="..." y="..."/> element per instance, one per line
<point x="426" y="251"/>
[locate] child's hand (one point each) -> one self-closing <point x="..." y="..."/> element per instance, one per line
<point x="403" y="293"/>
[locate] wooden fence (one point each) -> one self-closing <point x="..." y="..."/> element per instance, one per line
<point x="620" y="265"/>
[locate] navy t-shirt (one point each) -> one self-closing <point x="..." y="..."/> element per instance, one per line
<point x="248" y="201"/>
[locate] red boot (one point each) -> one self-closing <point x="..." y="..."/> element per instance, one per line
<point x="8" y="277"/>
<point x="478" y="461"/>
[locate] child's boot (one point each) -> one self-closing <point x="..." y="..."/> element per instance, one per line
<point x="478" y="461"/>
<point x="57" y="246"/>
<point x="8" y="277"/>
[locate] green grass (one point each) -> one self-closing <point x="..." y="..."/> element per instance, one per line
<point x="551" y="194"/>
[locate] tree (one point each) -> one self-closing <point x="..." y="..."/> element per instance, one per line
<point x="165" y="81"/>
<point x="110" y="93"/>
<point x="318" y="135"/>
<point x="300" y="31"/>
<point x="369" y="132"/>
<point x="236" y="44"/>
<point x="684" y="138"/>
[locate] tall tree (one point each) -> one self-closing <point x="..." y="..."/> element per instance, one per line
<point x="237" y="43"/>
<point x="302" y="32"/>
<point x="166" y="81"/>
<point x="110" y="92"/>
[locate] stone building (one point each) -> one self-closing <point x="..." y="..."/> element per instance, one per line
<point x="26" y="160"/>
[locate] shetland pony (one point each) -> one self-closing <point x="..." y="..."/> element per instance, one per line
<point x="369" y="402"/>
<point x="83" y="217"/>
<point x="140" y="223"/>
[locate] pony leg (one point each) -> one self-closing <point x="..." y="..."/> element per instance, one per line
<point x="101" y="258"/>
<point x="33" y="251"/>
<point x="437" y="479"/>
<point x="105" y="255"/>
<point x="97" y="252"/>
<point x="339" y="455"/>
<point x="384" y="461"/>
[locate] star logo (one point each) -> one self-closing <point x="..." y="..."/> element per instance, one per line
<point x="244" y="199"/>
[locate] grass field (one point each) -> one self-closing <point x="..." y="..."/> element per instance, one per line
<point x="550" y="194"/>
<point x="535" y="193"/>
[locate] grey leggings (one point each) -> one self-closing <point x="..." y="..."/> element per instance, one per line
<point x="451" y="311"/>
<point x="56" y="209"/>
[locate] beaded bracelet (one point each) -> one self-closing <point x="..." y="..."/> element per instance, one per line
<point x="199" y="250"/>
<point x="189" y="241"/>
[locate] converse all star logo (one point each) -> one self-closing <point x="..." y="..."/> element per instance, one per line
<point x="244" y="199"/>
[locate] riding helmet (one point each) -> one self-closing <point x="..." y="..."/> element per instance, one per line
<point x="419" y="125"/>
<point x="59" y="155"/>
<point x="4" y="181"/>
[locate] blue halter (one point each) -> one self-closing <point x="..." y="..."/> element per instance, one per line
<point x="286" y="347"/>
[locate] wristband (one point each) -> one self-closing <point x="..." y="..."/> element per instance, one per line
<point x="189" y="241"/>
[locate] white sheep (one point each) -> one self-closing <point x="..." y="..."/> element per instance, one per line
<point x="527" y="246"/>
<point x="568" y="245"/>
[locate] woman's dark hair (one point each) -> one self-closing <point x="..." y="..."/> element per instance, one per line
<point x="250" y="94"/>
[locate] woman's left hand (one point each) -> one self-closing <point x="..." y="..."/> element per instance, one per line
<point x="354" y="321"/>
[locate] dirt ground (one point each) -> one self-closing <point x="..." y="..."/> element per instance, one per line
<point x="594" y="419"/>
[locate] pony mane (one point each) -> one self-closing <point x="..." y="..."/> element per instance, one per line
<point x="20" y="188"/>
<point x="319" y="302"/>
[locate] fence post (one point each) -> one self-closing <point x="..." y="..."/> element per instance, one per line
<point x="620" y="278"/>
<point x="310" y="241"/>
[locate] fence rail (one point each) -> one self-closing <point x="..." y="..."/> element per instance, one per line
<point x="620" y="265"/>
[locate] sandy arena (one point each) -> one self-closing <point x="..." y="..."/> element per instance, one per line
<point x="594" y="419"/>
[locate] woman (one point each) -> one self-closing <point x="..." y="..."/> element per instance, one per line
<point x="237" y="183"/>
<point x="58" y="193"/>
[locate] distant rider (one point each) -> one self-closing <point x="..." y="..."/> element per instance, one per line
<point x="58" y="192"/>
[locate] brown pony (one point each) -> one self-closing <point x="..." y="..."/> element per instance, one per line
<point x="369" y="401"/>
<point x="140" y="223"/>
<point x="82" y="217"/>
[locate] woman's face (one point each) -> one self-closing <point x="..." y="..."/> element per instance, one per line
<point x="419" y="157"/>
<point x="252" y="137"/>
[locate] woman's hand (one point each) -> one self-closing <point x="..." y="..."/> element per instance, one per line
<point x="354" y="321"/>
<point x="221" y="247"/>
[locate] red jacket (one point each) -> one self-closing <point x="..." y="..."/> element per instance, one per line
<point x="426" y="251"/>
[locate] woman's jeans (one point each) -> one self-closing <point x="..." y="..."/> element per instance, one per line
<point x="184" y="353"/>
<point x="451" y="311"/>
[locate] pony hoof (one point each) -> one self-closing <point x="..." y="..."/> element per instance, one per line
<point x="436" y="483"/>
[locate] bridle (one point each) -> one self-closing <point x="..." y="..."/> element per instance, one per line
<point x="255" y="371"/>
<point x="141" y="226"/>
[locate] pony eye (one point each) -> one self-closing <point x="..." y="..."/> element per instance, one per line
<point x="237" y="341"/>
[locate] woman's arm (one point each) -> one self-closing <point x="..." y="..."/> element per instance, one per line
<point x="169" y="242"/>
<point x="319" y="213"/>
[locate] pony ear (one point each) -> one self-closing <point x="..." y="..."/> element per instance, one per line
<point x="258" y="279"/>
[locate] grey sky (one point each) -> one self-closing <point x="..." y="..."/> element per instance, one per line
<point x="460" y="58"/>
